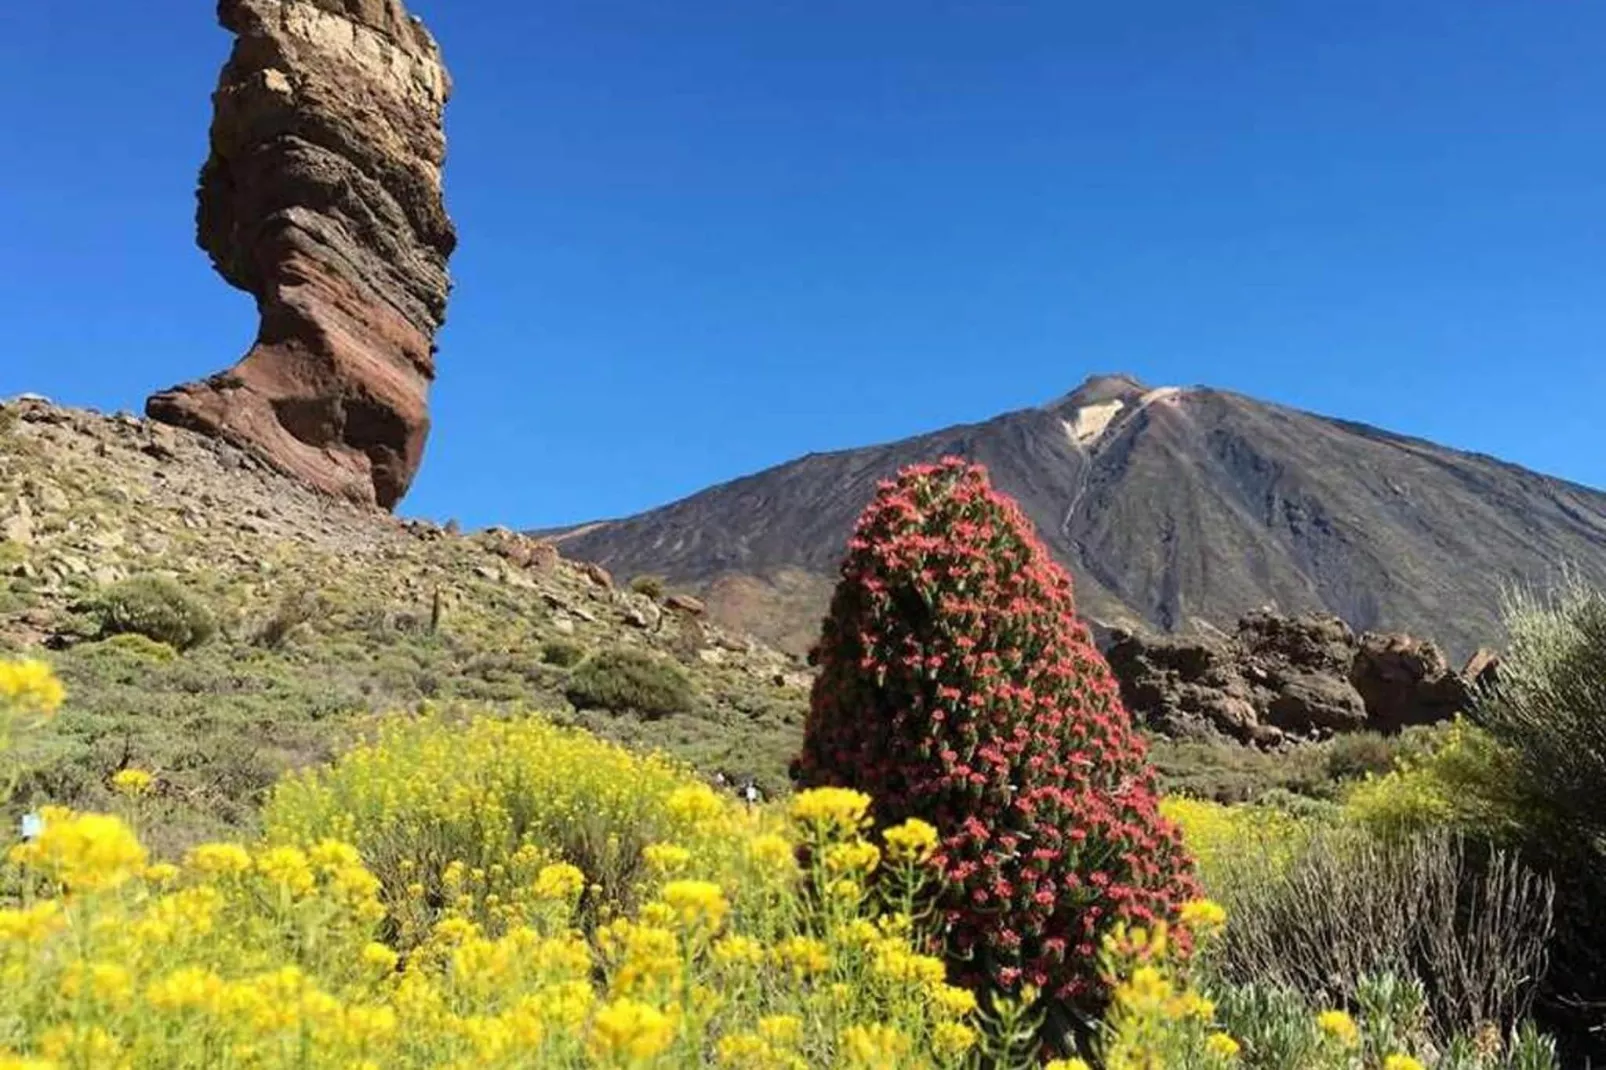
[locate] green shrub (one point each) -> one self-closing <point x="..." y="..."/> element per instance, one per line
<point x="564" y="653"/>
<point x="1465" y="782"/>
<point x="651" y="586"/>
<point x="157" y="608"/>
<point x="1546" y="714"/>
<point x="621" y="679"/>
<point x="1548" y="708"/>
<point x="1229" y="772"/>
<point x="1471" y="925"/>
<point x="294" y="609"/>
<point x="1354" y="756"/>
<point x="138" y="646"/>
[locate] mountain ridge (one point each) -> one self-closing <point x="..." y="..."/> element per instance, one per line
<point x="1176" y="509"/>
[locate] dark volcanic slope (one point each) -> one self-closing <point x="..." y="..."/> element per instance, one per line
<point x="1177" y="508"/>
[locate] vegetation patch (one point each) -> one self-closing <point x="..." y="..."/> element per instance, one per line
<point x="564" y="653"/>
<point x="156" y="607"/>
<point x="626" y="680"/>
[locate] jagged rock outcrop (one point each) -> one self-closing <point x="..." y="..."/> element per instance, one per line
<point x="322" y="198"/>
<point x="1286" y="677"/>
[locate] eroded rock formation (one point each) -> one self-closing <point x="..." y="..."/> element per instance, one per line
<point x="322" y="198"/>
<point x="1285" y="677"/>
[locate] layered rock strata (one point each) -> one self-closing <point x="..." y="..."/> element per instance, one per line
<point x="322" y="198"/>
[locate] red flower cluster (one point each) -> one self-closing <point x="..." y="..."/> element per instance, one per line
<point x="957" y="686"/>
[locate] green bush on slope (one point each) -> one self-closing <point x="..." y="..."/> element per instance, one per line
<point x="621" y="679"/>
<point x="157" y="608"/>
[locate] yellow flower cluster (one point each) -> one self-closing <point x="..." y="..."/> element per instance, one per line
<point x="1340" y="1026"/>
<point x="84" y="852"/>
<point x="30" y="695"/>
<point x="478" y="895"/>
<point x="132" y="782"/>
<point x="30" y="688"/>
<point x="913" y="841"/>
<point x="1157" y="1018"/>
<point x="833" y="812"/>
<point x="1217" y="835"/>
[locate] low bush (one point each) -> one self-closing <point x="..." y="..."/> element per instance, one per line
<point x="1357" y="755"/>
<point x="651" y="586"/>
<point x="621" y="679"/>
<point x="157" y="608"/>
<point x="295" y="609"/>
<point x="1462" y="780"/>
<point x="1170" y="1011"/>
<point x="564" y="653"/>
<point x="481" y="791"/>
<point x="1548" y="709"/>
<point x="1471" y="925"/>
<point x="132" y="647"/>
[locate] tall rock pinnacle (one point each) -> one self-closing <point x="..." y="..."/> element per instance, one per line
<point x="322" y="198"/>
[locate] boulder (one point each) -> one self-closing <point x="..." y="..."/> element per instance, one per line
<point x="1310" y="642"/>
<point x="1406" y="681"/>
<point x="1313" y="703"/>
<point x="322" y="198"/>
<point x="524" y="551"/>
<point x="1182" y="686"/>
<point x="596" y="574"/>
<point x="685" y="603"/>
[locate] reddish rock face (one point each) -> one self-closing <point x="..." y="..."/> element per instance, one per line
<point x="322" y="198"/>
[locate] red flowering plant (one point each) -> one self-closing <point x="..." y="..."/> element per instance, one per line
<point x="956" y="685"/>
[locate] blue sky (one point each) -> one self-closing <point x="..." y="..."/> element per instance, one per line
<point x="700" y="238"/>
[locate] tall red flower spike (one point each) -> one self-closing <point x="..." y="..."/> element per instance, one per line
<point x="958" y="686"/>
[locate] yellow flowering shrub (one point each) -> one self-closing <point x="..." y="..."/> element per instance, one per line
<point x="30" y="695"/>
<point x="1465" y="781"/>
<point x="1219" y="836"/>
<point x="30" y="688"/>
<point x="132" y="782"/>
<point x="447" y="925"/>
<point x="462" y="816"/>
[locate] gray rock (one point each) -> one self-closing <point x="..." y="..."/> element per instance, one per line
<point x="1312" y="702"/>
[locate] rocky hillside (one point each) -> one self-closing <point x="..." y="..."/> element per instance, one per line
<point x="325" y="614"/>
<point x="1175" y="510"/>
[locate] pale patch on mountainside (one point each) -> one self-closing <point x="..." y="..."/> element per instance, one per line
<point x="1091" y="420"/>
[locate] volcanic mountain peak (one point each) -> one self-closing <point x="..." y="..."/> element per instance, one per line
<point x="1175" y="508"/>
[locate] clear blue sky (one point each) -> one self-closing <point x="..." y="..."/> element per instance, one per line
<point x="702" y="237"/>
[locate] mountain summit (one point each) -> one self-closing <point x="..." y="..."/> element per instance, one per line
<point x="1174" y="508"/>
